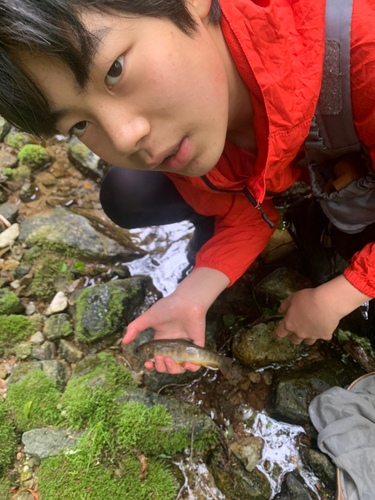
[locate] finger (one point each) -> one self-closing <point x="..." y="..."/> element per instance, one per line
<point x="295" y="339"/>
<point x="309" y="341"/>
<point x="281" y="331"/>
<point x="191" y="367"/>
<point x="135" y="327"/>
<point x="160" y="364"/>
<point x="149" y="365"/>
<point x="172" y="367"/>
<point x="284" y="306"/>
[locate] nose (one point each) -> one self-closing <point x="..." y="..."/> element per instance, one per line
<point x="125" y="130"/>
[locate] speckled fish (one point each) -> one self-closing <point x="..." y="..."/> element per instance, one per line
<point x="185" y="351"/>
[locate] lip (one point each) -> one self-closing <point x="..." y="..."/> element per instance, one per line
<point x="179" y="160"/>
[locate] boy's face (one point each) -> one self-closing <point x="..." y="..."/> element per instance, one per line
<point x="153" y="92"/>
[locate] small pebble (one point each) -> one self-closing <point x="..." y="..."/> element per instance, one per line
<point x="30" y="308"/>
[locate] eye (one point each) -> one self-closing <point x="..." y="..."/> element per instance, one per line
<point x="115" y="71"/>
<point x="79" y="128"/>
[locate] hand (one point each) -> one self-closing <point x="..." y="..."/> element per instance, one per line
<point x="314" y="313"/>
<point x="171" y="318"/>
<point x="180" y="315"/>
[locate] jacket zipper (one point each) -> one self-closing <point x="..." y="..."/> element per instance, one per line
<point x="246" y="192"/>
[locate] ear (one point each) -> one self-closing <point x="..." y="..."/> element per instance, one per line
<point x="200" y="8"/>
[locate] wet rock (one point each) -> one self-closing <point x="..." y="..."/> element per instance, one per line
<point x="105" y="309"/>
<point x="44" y="351"/>
<point x="30" y="308"/>
<point x="4" y="129"/>
<point x="7" y="160"/>
<point x="9" y="235"/>
<point x="60" y="229"/>
<point x="10" y="212"/>
<point x="47" y="179"/>
<point x="59" y="304"/>
<point x="86" y="161"/>
<point x="235" y="481"/>
<point x="248" y="449"/>
<point x="21" y="271"/>
<point x="257" y="348"/>
<point x="294" y="391"/>
<point x="17" y="139"/>
<point x="184" y="415"/>
<point x="278" y="285"/>
<point x="57" y="326"/>
<point x="20" y="372"/>
<point x="23" y="350"/>
<point x="293" y="488"/>
<point x="37" y="338"/>
<point x="279" y="247"/>
<point x="86" y="366"/>
<point x="11" y="265"/>
<point x="3" y="372"/>
<point x="29" y="191"/>
<point x="10" y="303"/>
<point x="70" y="352"/>
<point x="321" y="466"/>
<point x="58" y="371"/>
<point x="45" y="443"/>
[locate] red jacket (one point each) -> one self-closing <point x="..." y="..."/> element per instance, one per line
<point x="278" y="48"/>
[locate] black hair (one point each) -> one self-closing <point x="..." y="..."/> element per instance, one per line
<point x="53" y="28"/>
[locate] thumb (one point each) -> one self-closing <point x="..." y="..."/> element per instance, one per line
<point x="136" y="327"/>
<point x="284" y="306"/>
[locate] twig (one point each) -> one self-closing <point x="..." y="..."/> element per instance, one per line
<point x="169" y="385"/>
<point x="5" y="221"/>
<point x="207" y="487"/>
<point x="191" y="447"/>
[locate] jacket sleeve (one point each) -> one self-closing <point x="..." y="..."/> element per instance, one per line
<point x="240" y="236"/>
<point x="361" y="272"/>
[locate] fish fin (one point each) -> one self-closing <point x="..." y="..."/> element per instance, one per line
<point x="225" y="366"/>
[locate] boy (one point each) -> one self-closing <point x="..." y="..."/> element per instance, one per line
<point x="220" y="103"/>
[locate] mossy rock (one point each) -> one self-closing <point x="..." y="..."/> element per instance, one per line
<point x="234" y="480"/>
<point x="105" y="309"/>
<point x="34" y="402"/>
<point x="184" y="416"/>
<point x="17" y="139"/>
<point x="8" y="440"/>
<point x="256" y="348"/>
<point x="14" y="329"/>
<point x="34" y="156"/>
<point x="10" y="303"/>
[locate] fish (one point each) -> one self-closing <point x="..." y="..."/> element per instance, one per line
<point x="185" y="351"/>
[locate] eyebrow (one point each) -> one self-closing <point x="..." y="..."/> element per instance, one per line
<point x="99" y="35"/>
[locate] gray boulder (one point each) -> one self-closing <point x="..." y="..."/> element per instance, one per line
<point x="64" y="231"/>
<point x="45" y="443"/>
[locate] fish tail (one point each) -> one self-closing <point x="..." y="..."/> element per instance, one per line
<point x="225" y="366"/>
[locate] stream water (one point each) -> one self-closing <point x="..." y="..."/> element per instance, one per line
<point x="165" y="262"/>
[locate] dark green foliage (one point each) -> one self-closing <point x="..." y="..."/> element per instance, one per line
<point x="7" y="440"/>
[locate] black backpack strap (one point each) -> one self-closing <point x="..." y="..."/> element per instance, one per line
<point x="332" y="133"/>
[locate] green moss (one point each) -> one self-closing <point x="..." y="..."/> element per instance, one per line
<point x="80" y="151"/>
<point x="9" y="302"/>
<point x="21" y="172"/>
<point x="18" y="140"/>
<point x="5" y="486"/>
<point x="85" y="479"/>
<point x="43" y="284"/>
<point x="88" y="399"/>
<point x="7" y="440"/>
<point x="34" y="156"/>
<point x="35" y="402"/>
<point x="14" y="329"/>
<point x="142" y="428"/>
